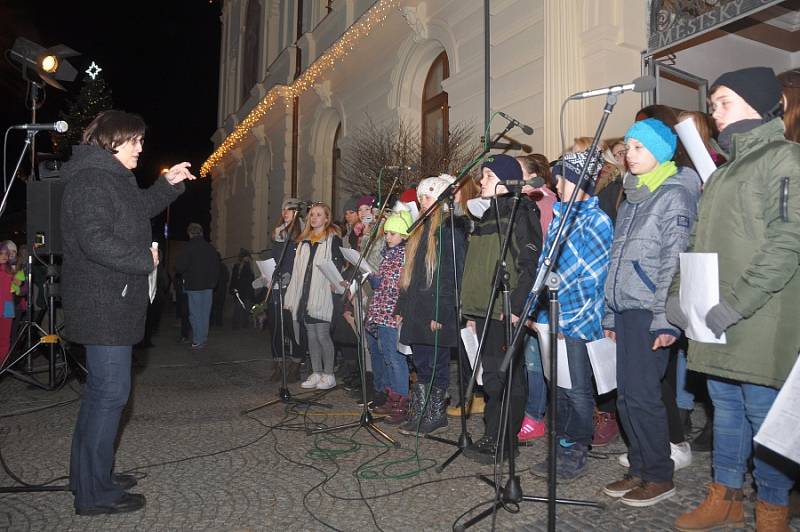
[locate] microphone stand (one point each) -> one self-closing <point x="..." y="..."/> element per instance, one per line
<point x="553" y="280"/>
<point x="284" y="395"/>
<point x="366" y="420"/>
<point x="448" y="195"/>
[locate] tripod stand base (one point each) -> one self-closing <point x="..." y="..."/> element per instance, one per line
<point x="285" y="397"/>
<point x="512" y="494"/>
<point x="464" y="441"/>
<point x="367" y="421"/>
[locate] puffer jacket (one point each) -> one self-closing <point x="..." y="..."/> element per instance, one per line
<point x="750" y="216"/>
<point x="648" y="238"/>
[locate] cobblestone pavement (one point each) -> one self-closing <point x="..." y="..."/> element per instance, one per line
<point x="204" y="465"/>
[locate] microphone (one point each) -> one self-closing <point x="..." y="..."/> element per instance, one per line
<point x="534" y="182"/>
<point x="528" y="130"/>
<point x="59" y="127"/>
<point x="641" y="84"/>
<point x="407" y="167"/>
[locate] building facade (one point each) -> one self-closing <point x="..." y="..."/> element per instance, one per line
<point x="298" y="77"/>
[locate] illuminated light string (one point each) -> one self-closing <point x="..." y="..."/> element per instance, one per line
<point x="369" y="21"/>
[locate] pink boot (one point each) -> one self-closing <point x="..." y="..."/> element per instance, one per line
<point x="531" y="429"/>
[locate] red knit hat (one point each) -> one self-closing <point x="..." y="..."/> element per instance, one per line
<point x="408" y="195"/>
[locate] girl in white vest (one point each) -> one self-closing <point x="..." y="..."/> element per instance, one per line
<point x="309" y="296"/>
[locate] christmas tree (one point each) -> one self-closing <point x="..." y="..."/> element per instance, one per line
<point x="93" y="98"/>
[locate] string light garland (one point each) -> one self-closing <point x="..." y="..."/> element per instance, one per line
<point x="371" y="19"/>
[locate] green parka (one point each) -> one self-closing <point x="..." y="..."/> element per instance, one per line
<point x="750" y="216"/>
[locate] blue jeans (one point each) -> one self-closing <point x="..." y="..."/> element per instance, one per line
<point x="108" y="385"/>
<point x="576" y="405"/>
<point x="683" y="398"/>
<point x="739" y="410"/>
<point x="389" y="366"/>
<point x="200" y="313"/>
<point x="537" y="389"/>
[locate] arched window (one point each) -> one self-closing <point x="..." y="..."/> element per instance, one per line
<point x="435" y="110"/>
<point x="336" y="160"/>
<point x="250" y="47"/>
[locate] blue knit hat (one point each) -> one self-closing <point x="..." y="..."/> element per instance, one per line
<point x="504" y="166"/>
<point x="656" y="136"/>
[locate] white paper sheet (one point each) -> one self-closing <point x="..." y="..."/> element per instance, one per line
<point x="352" y="256"/>
<point x="690" y="137"/>
<point x="564" y="380"/>
<point x="152" y="279"/>
<point x="402" y="348"/>
<point x="780" y="430"/>
<point x="328" y="269"/>
<point x="699" y="292"/>
<point x="267" y="269"/>
<point x="603" y="357"/>
<point x="470" y="340"/>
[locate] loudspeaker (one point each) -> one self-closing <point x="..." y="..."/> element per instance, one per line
<point x="44" y="215"/>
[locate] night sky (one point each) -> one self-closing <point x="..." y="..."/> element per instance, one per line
<point x="159" y="58"/>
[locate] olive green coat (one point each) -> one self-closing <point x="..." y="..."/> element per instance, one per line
<point x="749" y="220"/>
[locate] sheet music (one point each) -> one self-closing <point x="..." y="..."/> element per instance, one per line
<point x="470" y="340"/>
<point x="699" y="292"/>
<point x="564" y="380"/>
<point x="352" y="256"/>
<point x="780" y="430"/>
<point x="328" y="269"/>
<point x="690" y="137"/>
<point x="603" y="357"/>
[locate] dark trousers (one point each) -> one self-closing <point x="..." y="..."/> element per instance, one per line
<point x="639" y="406"/>
<point x="108" y="385"/>
<point x="668" y="397"/>
<point x="432" y="365"/>
<point x="494" y="382"/>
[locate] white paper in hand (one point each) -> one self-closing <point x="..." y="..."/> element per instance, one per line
<point x="328" y="269"/>
<point x="267" y="270"/>
<point x="564" y="380"/>
<point x="603" y="357"/>
<point x="690" y="137"/>
<point x="470" y="340"/>
<point x="780" y="431"/>
<point x="352" y="256"/>
<point x="699" y="292"/>
<point x="402" y="348"/>
<point x="152" y="279"/>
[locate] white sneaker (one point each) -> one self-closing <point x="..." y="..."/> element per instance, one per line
<point x="326" y="382"/>
<point x="312" y="381"/>
<point x="681" y="455"/>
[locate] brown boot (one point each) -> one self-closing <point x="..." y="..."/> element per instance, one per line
<point x="771" y="517"/>
<point x="721" y="507"/>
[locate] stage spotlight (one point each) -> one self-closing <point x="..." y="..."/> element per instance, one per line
<point x="48" y="63"/>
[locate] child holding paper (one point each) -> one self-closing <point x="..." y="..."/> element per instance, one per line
<point x="389" y="366"/>
<point x="309" y="296"/>
<point x="653" y="226"/>
<point x="582" y="264"/>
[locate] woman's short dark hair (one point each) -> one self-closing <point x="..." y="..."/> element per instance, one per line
<point x="537" y="164"/>
<point x="113" y="128"/>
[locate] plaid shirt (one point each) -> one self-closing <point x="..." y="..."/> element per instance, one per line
<point x="386" y="288"/>
<point x="583" y="266"/>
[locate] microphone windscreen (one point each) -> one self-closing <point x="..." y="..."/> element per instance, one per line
<point x="644" y="84"/>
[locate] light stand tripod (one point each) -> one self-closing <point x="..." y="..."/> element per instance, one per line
<point x="366" y="420"/>
<point x="512" y="492"/>
<point x="284" y="395"/>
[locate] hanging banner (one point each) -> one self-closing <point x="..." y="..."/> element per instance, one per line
<point x="675" y="21"/>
